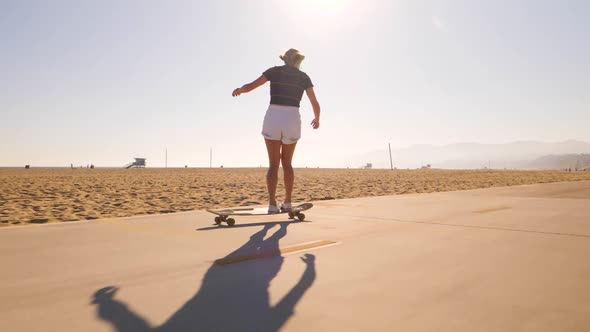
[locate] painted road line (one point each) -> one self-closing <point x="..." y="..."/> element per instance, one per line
<point x="272" y="253"/>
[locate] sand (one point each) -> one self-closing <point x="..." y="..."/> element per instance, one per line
<point x="31" y="196"/>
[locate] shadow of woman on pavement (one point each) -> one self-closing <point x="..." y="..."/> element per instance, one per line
<point x="234" y="295"/>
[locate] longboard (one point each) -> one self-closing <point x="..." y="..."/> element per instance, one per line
<point x="223" y="214"/>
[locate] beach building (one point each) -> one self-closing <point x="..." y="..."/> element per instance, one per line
<point x="138" y="163"/>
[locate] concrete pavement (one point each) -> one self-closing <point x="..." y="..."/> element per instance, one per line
<point x="500" y="259"/>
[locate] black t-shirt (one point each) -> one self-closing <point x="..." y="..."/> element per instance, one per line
<point x="287" y="85"/>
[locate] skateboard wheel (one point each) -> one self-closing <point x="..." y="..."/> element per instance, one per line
<point x="218" y="220"/>
<point x="301" y="216"/>
<point x="231" y="221"/>
<point x="291" y="215"/>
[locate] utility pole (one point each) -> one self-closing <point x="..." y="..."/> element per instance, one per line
<point x="390" y="159"/>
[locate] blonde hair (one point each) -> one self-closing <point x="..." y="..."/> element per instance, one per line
<point x="292" y="57"/>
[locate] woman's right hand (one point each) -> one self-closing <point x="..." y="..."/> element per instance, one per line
<point x="316" y="107"/>
<point x="315" y="123"/>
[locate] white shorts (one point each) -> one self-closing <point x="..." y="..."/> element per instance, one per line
<point x="282" y="123"/>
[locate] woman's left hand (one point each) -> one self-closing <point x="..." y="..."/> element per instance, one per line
<point x="236" y="92"/>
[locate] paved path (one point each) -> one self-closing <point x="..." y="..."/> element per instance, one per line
<point x="501" y="259"/>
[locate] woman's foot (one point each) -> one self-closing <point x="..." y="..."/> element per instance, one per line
<point x="286" y="207"/>
<point x="273" y="209"/>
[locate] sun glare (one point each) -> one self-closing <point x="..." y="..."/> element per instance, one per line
<point x="326" y="5"/>
<point x="323" y="3"/>
<point x="329" y="12"/>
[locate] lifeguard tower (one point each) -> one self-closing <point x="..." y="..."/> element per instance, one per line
<point x="138" y="163"/>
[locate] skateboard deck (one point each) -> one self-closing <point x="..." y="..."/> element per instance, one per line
<point x="223" y="214"/>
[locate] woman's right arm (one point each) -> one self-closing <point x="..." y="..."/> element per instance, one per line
<point x="316" y="107"/>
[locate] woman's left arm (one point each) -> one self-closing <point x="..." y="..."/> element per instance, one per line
<point x="250" y="86"/>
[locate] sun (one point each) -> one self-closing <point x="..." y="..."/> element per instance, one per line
<point x="327" y="11"/>
<point x="323" y="3"/>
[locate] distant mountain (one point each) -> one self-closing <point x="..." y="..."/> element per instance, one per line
<point x="522" y="154"/>
<point x="573" y="161"/>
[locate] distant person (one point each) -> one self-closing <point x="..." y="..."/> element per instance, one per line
<point x="282" y="123"/>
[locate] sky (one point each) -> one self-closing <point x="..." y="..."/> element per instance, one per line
<point x="102" y="82"/>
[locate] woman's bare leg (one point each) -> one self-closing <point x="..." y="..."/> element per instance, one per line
<point x="274" y="160"/>
<point x="288" y="173"/>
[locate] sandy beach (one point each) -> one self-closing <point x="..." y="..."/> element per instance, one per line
<point x="62" y="195"/>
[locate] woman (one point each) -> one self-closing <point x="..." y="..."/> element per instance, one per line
<point x="282" y="123"/>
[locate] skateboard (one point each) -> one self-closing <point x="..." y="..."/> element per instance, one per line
<point x="223" y="214"/>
